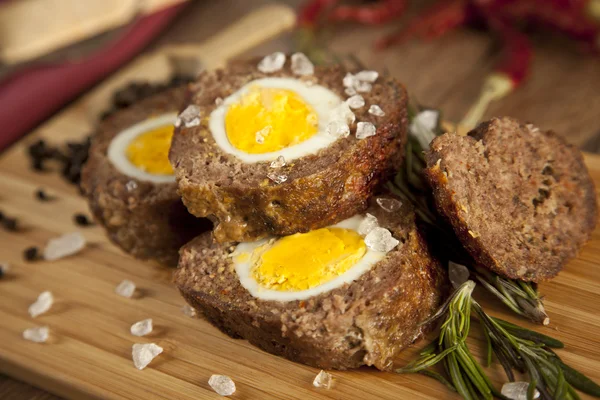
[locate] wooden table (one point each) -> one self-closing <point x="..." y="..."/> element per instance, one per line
<point x="561" y="94"/>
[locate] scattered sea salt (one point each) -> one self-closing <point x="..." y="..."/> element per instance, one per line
<point x="389" y="205"/>
<point x="365" y="129"/>
<point x="350" y="91"/>
<point x="64" y="246"/>
<point x="188" y="311"/>
<point x="342" y="113"/>
<point x="363" y="87"/>
<point x="367" y="76"/>
<point x="143" y="353"/>
<point x="338" y="129"/>
<point x="272" y="62"/>
<point x="380" y="239"/>
<point x="262" y="134"/>
<point x="222" y="384"/>
<point x="42" y="304"/>
<point x="367" y="224"/>
<point x="131" y="186"/>
<point x="141" y="328"/>
<point x="356" y="101"/>
<point x="189" y="117"/>
<point x="517" y="390"/>
<point x="278" y="163"/>
<point x="39" y="334"/>
<point x="376" y="110"/>
<point x="322" y="380"/>
<point x="218" y="101"/>
<point x="423" y="126"/>
<point x="301" y="65"/>
<point x="277" y="178"/>
<point x="349" y="80"/>
<point x="125" y="288"/>
<point x="458" y="274"/>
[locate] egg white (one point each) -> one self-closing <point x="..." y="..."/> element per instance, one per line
<point x="118" y="147"/>
<point x="243" y="269"/>
<point x="321" y="99"/>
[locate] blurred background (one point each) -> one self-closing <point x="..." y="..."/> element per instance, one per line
<point x="536" y="60"/>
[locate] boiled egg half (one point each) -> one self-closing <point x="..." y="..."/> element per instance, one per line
<point x="303" y="265"/>
<point x="142" y="150"/>
<point x="273" y="117"/>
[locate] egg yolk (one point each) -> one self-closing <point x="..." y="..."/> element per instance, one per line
<point x="305" y="260"/>
<point x="150" y="151"/>
<point x="269" y="119"/>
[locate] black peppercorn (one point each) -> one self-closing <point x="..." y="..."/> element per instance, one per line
<point x="42" y="196"/>
<point x="10" y="224"/>
<point x="31" y="253"/>
<point x="81" y="220"/>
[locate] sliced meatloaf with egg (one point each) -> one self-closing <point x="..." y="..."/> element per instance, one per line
<point x="251" y="200"/>
<point x="367" y="321"/>
<point x="520" y="199"/>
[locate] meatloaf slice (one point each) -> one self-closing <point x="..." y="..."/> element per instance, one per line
<point x="146" y="219"/>
<point x="365" y="322"/>
<point x="321" y="189"/>
<point x="521" y="200"/>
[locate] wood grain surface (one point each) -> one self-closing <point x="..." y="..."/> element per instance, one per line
<point x="561" y="94"/>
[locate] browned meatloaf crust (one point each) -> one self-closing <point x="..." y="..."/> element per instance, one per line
<point x="321" y="189"/>
<point x="521" y="200"/>
<point x="366" y="322"/>
<point x="149" y="220"/>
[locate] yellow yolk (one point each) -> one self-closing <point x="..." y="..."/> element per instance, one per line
<point x="282" y="116"/>
<point x="305" y="260"/>
<point x="150" y="151"/>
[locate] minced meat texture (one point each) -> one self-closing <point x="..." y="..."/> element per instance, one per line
<point x="521" y="200"/>
<point x="366" y="322"/>
<point x="321" y="189"/>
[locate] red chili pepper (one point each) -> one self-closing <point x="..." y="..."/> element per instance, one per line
<point x="516" y="49"/>
<point x="309" y="13"/>
<point x="383" y="11"/>
<point x="434" y="22"/>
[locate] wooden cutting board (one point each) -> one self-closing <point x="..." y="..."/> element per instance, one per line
<point x="89" y="353"/>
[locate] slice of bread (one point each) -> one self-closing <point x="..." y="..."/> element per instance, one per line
<point x="365" y="322"/>
<point x="521" y="200"/>
<point x="321" y="189"/>
<point x="146" y="219"/>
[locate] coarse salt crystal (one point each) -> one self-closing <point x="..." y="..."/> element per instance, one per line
<point x="141" y="328"/>
<point x="367" y="224"/>
<point x="131" y="186"/>
<point x="39" y="334"/>
<point x="337" y="129"/>
<point x="42" y="304"/>
<point x="189" y="117"/>
<point x="349" y="80"/>
<point x="301" y="65"/>
<point x="64" y="246"/>
<point x="144" y="353"/>
<point x="218" y="101"/>
<point x="222" y="384"/>
<point x="278" y="163"/>
<point x="272" y="62"/>
<point x="365" y="130"/>
<point x="322" y="380"/>
<point x="362" y="87"/>
<point x="458" y="274"/>
<point x="389" y="205"/>
<point x="356" y="101"/>
<point x="262" y="134"/>
<point x="342" y="113"/>
<point x="125" y="288"/>
<point x="376" y="110"/>
<point x="380" y="239"/>
<point x="517" y="390"/>
<point x="367" y="76"/>
<point x="277" y="178"/>
<point x="188" y="311"/>
<point x="350" y="91"/>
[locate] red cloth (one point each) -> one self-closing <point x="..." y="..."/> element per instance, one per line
<point x="32" y="95"/>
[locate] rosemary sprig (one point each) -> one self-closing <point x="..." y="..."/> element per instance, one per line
<point x="409" y="184"/>
<point x="516" y="348"/>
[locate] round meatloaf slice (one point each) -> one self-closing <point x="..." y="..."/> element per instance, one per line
<point x="144" y="218"/>
<point x="365" y="322"/>
<point x="521" y="200"/>
<point x="319" y="189"/>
